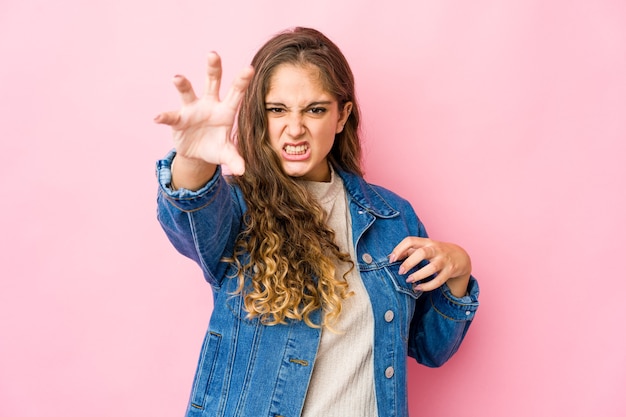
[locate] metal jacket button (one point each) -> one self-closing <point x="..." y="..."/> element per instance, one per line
<point x="389" y="372"/>
<point x="388" y="316"/>
<point x="367" y="258"/>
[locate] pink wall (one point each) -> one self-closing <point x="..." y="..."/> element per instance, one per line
<point x="503" y="122"/>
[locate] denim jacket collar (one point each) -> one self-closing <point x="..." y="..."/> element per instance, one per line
<point x="366" y="196"/>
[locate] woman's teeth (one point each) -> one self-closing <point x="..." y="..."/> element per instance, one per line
<point x="295" y="150"/>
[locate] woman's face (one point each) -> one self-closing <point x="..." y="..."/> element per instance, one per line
<point x="302" y="119"/>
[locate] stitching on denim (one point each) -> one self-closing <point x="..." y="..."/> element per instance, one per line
<point x="432" y="302"/>
<point x="231" y="360"/>
<point x="216" y="338"/>
<point x="174" y="201"/>
<point x="254" y="350"/>
<point x="194" y="235"/>
<point x="452" y="301"/>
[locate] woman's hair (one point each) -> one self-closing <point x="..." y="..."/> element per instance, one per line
<point x="286" y="249"/>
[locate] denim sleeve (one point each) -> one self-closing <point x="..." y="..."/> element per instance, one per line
<point x="202" y="225"/>
<point x="440" y="323"/>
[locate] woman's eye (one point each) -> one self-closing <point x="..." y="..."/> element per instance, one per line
<point x="274" y="110"/>
<point x="317" y="110"/>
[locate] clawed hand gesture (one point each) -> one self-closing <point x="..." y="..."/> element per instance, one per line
<point x="202" y="127"/>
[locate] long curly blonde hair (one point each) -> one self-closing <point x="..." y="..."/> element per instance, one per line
<point x="286" y="254"/>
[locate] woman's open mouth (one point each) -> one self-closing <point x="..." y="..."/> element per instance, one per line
<point x="296" y="152"/>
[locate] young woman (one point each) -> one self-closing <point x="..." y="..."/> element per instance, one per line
<point x="323" y="284"/>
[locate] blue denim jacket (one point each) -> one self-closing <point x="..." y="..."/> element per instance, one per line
<point x="253" y="370"/>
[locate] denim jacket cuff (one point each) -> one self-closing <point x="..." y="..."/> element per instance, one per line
<point x="182" y="198"/>
<point x="456" y="308"/>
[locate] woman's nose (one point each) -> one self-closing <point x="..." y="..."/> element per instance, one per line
<point x="295" y="125"/>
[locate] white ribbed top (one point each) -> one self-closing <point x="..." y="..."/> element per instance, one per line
<point x="342" y="384"/>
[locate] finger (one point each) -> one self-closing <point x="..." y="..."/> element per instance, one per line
<point x="406" y="247"/>
<point x="213" y="76"/>
<point x="238" y="88"/>
<point x="423" y="273"/>
<point x="169" y="118"/>
<point x="412" y="260"/>
<point x="232" y="159"/>
<point x="185" y="89"/>
<point x="433" y="284"/>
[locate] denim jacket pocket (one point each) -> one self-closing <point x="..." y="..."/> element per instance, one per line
<point x="206" y="366"/>
<point x="399" y="281"/>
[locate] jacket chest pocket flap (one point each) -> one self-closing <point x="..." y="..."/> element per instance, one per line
<point x="399" y="281"/>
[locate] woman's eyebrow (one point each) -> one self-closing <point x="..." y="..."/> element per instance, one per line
<point x="320" y="103"/>
<point x="315" y="103"/>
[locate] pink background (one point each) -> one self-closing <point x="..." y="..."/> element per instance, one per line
<point x="503" y="122"/>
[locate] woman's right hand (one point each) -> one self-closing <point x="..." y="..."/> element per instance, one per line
<point x="202" y="127"/>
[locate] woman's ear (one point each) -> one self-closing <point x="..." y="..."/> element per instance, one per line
<point x="343" y="117"/>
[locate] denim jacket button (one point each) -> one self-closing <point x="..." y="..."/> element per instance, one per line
<point x="389" y="372"/>
<point x="367" y="258"/>
<point x="388" y="316"/>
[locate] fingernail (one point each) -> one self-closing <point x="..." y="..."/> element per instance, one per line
<point x="401" y="271"/>
<point x="417" y="288"/>
<point x="392" y="258"/>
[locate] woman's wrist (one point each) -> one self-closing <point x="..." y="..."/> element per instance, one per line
<point x="458" y="285"/>
<point x="190" y="173"/>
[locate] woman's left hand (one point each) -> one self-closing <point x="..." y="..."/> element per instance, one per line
<point x="449" y="261"/>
